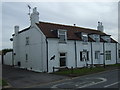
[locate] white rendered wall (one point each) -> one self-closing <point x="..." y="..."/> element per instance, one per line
<point x="80" y="47"/>
<point x="97" y="46"/>
<point x="111" y="47"/>
<point x="55" y="48"/>
<point x="35" y="50"/>
<point x="8" y="58"/>
<point x="118" y="48"/>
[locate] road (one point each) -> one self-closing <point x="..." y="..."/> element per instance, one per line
<point x="106" y="79"/>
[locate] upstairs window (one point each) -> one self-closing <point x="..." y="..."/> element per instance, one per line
<point x="96" y="38"/>
<point x="84" y="37"/>
<point x="106" y="38"/>
<point x="62" y="34"/>
<point x="27" y="40"/>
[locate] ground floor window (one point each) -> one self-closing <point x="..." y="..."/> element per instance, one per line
<point x="62" y="59"/>
<point x="108" y="55"/>
<point x="84" y="55"/>
<point x="119" y="53"/>
<point x="97" y="54"/>
<point x="26" y="56"/>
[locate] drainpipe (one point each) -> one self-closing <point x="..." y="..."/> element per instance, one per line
<point x="47" y="52"/>
<point x="75" y="54"/>
<point x="104" y="54"/>
<point x="116" y="53"/>
<point x="91" y="55"/>
<point x="12" y="58"/>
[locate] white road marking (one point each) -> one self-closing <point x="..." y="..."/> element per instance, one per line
<point x="86" y="85"/>
<point x="111" y="84"/>
<point x="94" y="83"/>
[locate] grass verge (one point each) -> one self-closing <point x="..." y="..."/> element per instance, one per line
<point x="3" y="83"/>
<point x="84" y="71"/>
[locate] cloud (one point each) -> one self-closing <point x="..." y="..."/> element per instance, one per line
<point x="83" y="14"/>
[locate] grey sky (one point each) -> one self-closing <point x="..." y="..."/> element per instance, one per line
<point x="83" y="14"/>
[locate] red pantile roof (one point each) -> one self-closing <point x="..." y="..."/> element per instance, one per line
<point x="48" y="30"/>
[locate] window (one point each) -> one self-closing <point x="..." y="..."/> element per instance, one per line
<point x="119" y="53"/>
<point x="108" y="39"/>
<point x="27" y="40"/>
<point x="84" y="37"/>
<point x="97" y="54"/>
<point x="81" y="56"/>
<point x="97" y="38"/>
<point x="62" y="36"/>
<point x="62" y="59"/>
<point x="26" y="56"/>
<point x="84" y="55"/>
<point x="108" y="55"/>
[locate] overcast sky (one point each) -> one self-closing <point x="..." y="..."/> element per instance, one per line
<point x="83" y="14"/>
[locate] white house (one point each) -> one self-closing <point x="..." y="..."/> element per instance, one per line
<point x="43" y="45"/>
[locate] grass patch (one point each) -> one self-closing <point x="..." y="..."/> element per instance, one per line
<point x="3" y="83"/>
<point x="84" y="71"/>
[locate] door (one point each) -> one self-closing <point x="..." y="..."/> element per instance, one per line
<point x="84" y="57"/>
<point x="62" y="59"/>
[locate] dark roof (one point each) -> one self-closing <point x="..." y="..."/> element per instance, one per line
<point x="49" y="30"/>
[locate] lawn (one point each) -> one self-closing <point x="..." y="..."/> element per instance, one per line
<point x="84" y="71"/>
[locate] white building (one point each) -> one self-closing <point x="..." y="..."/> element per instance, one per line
<point x="44" y="45"/>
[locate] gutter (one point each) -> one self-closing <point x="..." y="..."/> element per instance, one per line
<point x="75" y="54"/>
<point x="91" y="55"/>
<point x="47" y="52"/>
<point x="104" y="54"/>
<point x="116" y="53"/>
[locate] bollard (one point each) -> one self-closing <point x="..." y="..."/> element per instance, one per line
<point x="71" y="70"/>
<point x="53" y="69"/>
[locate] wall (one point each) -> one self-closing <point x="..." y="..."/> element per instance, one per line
<point x="111" y="47"/>
<point x="35" y="50"/>
<point x="55" y="48"/>
<point x="8" y="58"/>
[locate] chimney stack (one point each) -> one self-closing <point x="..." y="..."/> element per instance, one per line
<point x="74" y="24"/>
<point x="34" y="16"/>
<point x="16" y="28"/>
<point x="100" y="26"/>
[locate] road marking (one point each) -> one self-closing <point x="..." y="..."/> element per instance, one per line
<point x="111" y="84"/>
<point x="83" y="86"/>
<point x="93" y="83"/>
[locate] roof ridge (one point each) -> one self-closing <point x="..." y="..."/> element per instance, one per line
<point x="69" y="26"/>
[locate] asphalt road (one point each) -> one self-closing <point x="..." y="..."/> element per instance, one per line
<point x="106" y="79"/>
<point x="20" y="78"/>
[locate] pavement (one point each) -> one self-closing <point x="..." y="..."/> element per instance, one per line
<point x="19" y="78"/>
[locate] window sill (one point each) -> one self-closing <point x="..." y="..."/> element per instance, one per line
<point x="62" y="42"/>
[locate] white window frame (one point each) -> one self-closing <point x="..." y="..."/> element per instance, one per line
<point x="118" y="53"/>
<point x="108" y="55"/>
<point x="97" y="55"/>
<point x="84" y="37"/>
<point x="63" y="57"/>
<point x="96" y="38"/>
<point x="62" y="34"/>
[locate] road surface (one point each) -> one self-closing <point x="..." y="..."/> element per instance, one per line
<point x="106" y="79"/>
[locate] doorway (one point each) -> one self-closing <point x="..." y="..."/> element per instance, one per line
<point x="62" y="59"/>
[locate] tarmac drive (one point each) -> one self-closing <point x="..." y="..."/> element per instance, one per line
<point x="19" y="78"/>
